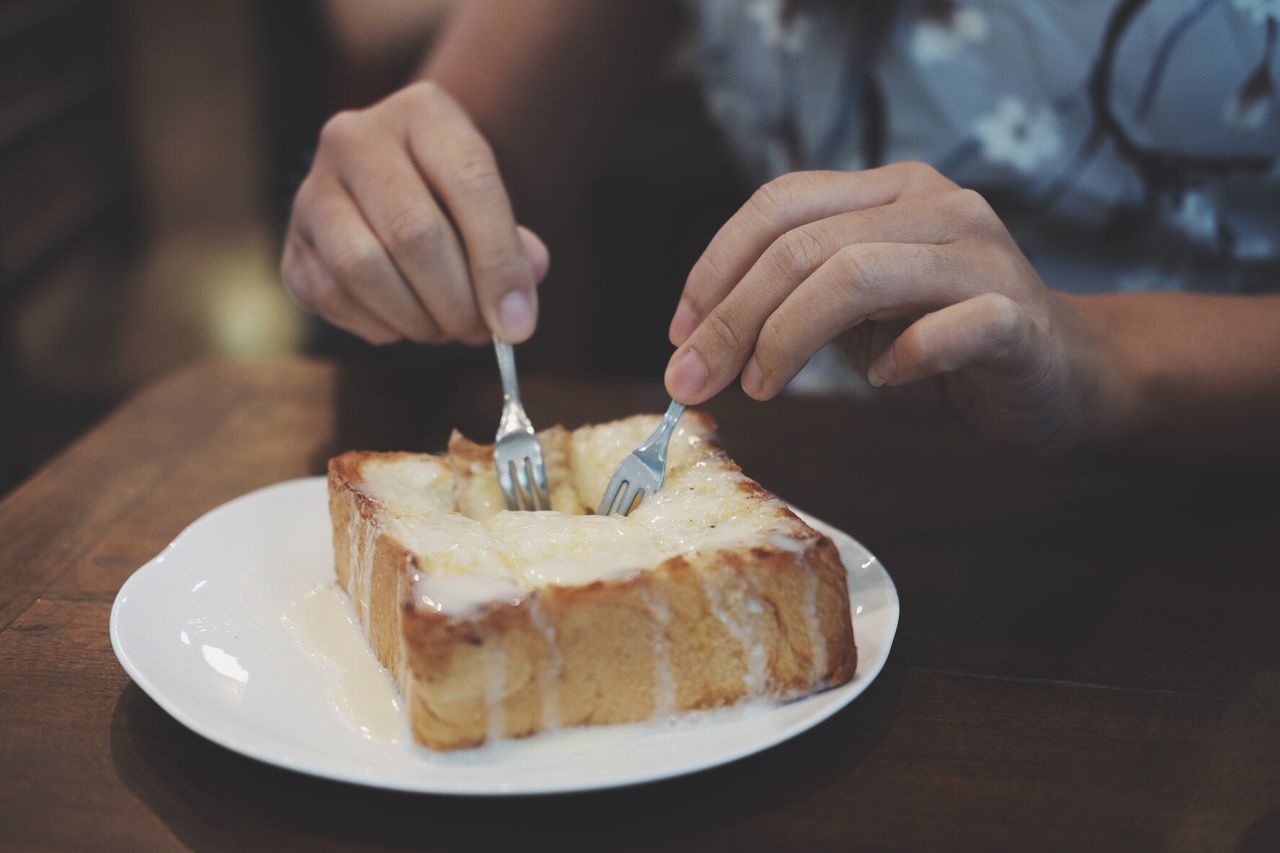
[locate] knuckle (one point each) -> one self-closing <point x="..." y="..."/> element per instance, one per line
<point x="970" y="209"/>
<point x="298" y="284"/>
<point x="797" y="252"/>
<point x="427" y="92"/>
<point x="478" y="171"/>
<point x="709" y="270"/>
<point x="855" y="273"/>
<point x="917" y="171"/>
<point x="356" y="264"/>
<point x="316" y="296"/>
<point x="725" y="333"/>
<point x="1004" y="318"/>
<point x="423" y="89"/>
<point x="773" y="197"/>
<point x="341" y="130"/>
<point x="771" y="349"/>
<point x="330" y="302"/>
<point x="915" y="168"/>
<point x="414" y="229"/>
<point x="922" y="177"/>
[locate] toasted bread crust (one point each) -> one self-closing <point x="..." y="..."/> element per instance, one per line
<point x="612" y="651"/>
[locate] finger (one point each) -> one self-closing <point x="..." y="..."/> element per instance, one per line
<point x="776" y="208"/>
<point x="360" y="265"/>
<point x="536" y="251"/>
<point x="861" y="344"/>
<point x="539" y="259"/>
<point x="723" y="341"/>
<point x="311" y="286"/>
<point x="460" y="166"/>
<point x="403" y="215"/>
<point x="881" y="281"/>
<point x="990" y="330"/>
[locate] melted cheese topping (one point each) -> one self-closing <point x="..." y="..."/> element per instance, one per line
<point x="483" y="553"/>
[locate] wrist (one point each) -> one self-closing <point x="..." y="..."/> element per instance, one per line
<point x="1108" y="371"/>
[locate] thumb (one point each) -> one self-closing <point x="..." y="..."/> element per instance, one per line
<point x="536" y="251"/>
<point x="517" y="311"/>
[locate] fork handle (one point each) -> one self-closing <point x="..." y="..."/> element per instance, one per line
<point x="662" y="435"/>
<point x="507" y="367"/>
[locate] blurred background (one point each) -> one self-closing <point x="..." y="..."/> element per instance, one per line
<point x="148" y="155"/>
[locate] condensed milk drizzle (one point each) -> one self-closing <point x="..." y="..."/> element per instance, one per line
<point x="363" y="541"/>
<point x="473" y="552"/>
<point x="549" y="679"/>
<point x="741" y="615"/>
<point x="664" y="683"/>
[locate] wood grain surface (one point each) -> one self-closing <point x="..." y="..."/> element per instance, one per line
<point x="1088" y="658"/>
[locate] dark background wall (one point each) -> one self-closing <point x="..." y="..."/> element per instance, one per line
<point x="148" y="154"/>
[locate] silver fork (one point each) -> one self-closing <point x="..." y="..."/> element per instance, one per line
<point x="642" y="472"/>
<point x="516" y="453"/>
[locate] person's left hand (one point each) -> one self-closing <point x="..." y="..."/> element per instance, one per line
<point x="920" y="282"/>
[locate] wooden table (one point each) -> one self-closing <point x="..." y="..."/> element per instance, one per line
<point x="1089" y="658"/>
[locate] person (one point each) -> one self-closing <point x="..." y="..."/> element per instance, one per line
<point x="884" y="137"/>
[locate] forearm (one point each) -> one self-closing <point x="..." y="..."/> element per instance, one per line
<point x="545" y="80"/>
<point x="1189" y="374"/>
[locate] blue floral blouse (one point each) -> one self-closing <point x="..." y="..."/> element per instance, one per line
<point x="1128" y="144"/>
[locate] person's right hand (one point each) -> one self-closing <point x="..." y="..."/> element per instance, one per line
<point x="403" y="229"/>
<point x="922" y="286"/>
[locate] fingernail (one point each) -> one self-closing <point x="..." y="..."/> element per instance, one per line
<point x="752" y="378"/>
<point x="883" y="370"/>
<point x="687" y="375"/>
<point x="516" y="316"/>
<point x="683" y="323"/>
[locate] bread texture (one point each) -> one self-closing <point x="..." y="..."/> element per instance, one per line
<point x="502" y="624"/>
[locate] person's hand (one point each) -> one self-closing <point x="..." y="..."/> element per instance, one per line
<point x="403" y="229"/>
<point x="920" y="283"/>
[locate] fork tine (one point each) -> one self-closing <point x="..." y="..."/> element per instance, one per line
<point x="524" y="489"/>
<point x="642" y="472"/>
<point x="522" y="473"/>
<point x="537" y="496"/>
<point x="542" y="491"/>
<point x="629" y="500"/>
<point x="611" y="493"/>
<point x="508" y="487"/>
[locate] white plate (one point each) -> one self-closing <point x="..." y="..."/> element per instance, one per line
<point x="238" y="631"/>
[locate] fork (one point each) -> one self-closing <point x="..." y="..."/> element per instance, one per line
<point x="641" y="473"/>
<point x="522" y="474"/>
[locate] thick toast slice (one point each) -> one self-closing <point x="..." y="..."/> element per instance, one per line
<point x="503" y="624"/>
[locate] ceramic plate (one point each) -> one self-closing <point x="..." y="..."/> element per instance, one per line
<point x="238" y="631"/>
